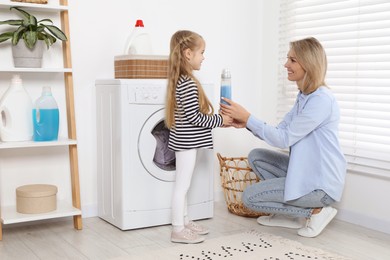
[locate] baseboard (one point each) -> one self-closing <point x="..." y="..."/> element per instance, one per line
<point x="219" y="196"/>
<point x="89" y="211"/>
<point x="344" y="215"/>
<point x="364" y="220"/>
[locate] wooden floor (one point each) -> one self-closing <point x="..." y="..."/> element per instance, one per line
<point x="100" y="240"/>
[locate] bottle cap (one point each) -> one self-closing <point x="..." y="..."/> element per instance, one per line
<point x="46" y="90"/>
<point x="226" y="74"/>
<point x="139" y="23"/>
<point x="16" y="79"/>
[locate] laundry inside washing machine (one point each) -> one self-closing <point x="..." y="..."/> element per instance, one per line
<point x="163" y="157"/>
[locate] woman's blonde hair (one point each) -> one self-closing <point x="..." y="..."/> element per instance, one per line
<point x="312" y="57"/>
<point x="179" y="65"/>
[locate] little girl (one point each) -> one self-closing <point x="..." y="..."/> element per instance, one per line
<point x="190" y="118"/>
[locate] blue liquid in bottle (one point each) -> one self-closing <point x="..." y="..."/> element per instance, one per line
<point x="226" y="92"/>
<point x="46" y="124"/>
<point x="226" y="85"/>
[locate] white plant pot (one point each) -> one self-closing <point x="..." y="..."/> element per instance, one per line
<point x="27" y="58"/>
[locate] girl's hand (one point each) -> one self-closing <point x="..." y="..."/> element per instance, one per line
<point x="236" y="111"/>
<point x="227" y="120"/>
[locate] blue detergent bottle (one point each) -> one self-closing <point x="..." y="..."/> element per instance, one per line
<point x="226" y="85"/>
<point x="45" y="117"/>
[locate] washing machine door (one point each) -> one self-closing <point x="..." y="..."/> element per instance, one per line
<point x="153" y="150"/>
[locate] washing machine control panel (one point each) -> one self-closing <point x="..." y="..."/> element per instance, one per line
<point x="146" y="93"/>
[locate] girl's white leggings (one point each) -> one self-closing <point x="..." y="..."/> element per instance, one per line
<point x="185" y="165"/>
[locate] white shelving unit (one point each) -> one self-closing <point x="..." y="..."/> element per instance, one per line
<point x="27" y="144"/>
<point x="33" y="70"/>
<point x="36" y="7"/>
<point x="8" y="214"/>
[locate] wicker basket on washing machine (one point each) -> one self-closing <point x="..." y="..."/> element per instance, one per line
<point x="236" y="175"/>
<point x="31" y="1"/>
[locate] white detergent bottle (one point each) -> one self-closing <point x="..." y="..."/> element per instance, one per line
<point x="139" y="42"/>
<point x="15" y="111"/>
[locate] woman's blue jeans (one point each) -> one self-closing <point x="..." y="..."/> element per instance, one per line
<point x="268" y="195"/>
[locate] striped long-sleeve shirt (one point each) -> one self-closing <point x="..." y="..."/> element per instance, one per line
<point x="192" y="129"/>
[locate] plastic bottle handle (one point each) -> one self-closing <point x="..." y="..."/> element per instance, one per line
<point x="5" y="118"/>
<point x="37" y="115"/>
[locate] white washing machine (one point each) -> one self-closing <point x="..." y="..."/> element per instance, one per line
<point x="135" y="169"/>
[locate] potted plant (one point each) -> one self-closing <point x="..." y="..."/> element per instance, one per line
<point x="34" y="33"/>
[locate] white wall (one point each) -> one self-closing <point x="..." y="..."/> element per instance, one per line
<point x="99" y="31"/>
<point x="241" y="35"/>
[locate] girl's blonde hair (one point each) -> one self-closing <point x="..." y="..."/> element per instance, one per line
<point x="178" y="65"/>
<point x="312" y="57"/>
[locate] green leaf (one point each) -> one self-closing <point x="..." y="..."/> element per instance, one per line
<point x="30" y="21"/>
<point x="6" y="36"/>
<point x="17" y="35"/>
<point x="24" y="13"/>
<point x="56" y="32"/>
<point x="46" y="20"/>
<point x="30" y="38"/>
<point x="49" y="39"/>
<point x="33" y="20"/>
<point x="12" y="22"/>
<point x="43" y="37"/>
<point x="48" y="43"/>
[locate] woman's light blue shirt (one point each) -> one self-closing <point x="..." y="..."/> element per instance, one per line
<point x="310" y="130"/>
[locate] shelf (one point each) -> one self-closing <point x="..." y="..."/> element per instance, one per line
<point x="64" y="209"/>
<point x="8" y="213"/>
<point x="34" y="70"/>
<point x="27" y="144"/>
<point x="37" y="7"/>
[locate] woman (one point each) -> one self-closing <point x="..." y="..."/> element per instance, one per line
<point x="305" y="183"/>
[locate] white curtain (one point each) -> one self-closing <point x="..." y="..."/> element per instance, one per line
<point x="356" y="38"/>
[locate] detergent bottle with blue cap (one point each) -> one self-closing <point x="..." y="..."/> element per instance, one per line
<point x="226" y="85"/>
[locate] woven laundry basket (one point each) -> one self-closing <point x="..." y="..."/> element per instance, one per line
<point x="236" y="175"/>
<point x="31" y="1"/>
<point x="141" y="67"/>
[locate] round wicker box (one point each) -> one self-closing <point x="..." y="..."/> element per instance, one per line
<point x="36" y="198"/>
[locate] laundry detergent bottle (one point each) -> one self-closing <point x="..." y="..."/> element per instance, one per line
<point x="139" y="42"/>
<point x="46" y="117"/>
<point x="15" y="111"/>
<point x="226" y="85"/>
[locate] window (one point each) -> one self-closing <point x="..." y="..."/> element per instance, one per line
<point x="356" y="37"/>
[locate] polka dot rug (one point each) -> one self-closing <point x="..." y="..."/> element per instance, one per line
<point x="250" y="245"/>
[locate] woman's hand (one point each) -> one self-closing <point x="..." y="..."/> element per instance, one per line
<point x="238" y="124"/>
<point x="239" y="114"/>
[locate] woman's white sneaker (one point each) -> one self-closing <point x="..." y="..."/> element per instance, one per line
<point x="278" y="220"/>
<point x="186" y="236"/>
<point x="317" y="222"/>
